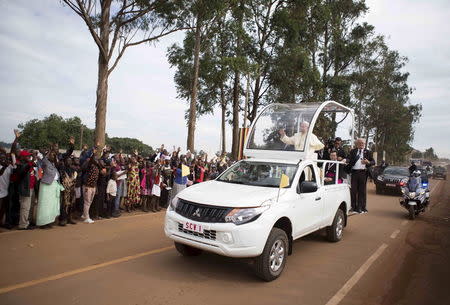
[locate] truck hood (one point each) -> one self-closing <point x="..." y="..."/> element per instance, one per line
<point x="229" y="194"/>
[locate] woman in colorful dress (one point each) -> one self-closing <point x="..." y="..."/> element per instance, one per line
<point x="133" y="185"/>
<point x="50" y="188"/>
<point x="146" y="185"/>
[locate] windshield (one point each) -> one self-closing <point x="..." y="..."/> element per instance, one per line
<point x="258" y="173"/>
<point x="292" y="120"/>
<point x="399" y="171"/>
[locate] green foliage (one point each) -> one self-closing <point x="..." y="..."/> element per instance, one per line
<point x="302" y="51"/>
<point x="129" y="145"/>
<point x="38" y="134"/>
<point x="53" y="129"/>
<point x="416" y="154"/>
<point x="429" y="154"/>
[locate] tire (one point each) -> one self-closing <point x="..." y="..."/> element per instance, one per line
<point x="268" y="268"/>
<point x="335" y="231"/>
<point x="412" y="212"/>
<point x="186" y="250"/>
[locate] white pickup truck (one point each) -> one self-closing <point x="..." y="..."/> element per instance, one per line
<point x="244" y="212"/>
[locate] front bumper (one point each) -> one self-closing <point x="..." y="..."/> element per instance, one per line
<point x="394" y="187"/>
<point x="227" y="239"/>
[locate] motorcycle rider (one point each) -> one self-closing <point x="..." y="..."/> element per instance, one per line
<point x="414" y="182"/>
<point x="412" y="168"/>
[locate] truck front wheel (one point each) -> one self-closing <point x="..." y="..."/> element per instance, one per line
<point x="186" y="250"/>
<point x="270" y="264"/>
<point x="335" y="231"/>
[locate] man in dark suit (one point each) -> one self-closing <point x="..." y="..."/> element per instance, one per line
<point x="359" y="161"/>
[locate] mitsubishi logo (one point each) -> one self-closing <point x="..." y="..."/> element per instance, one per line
<point x="197" y="213"/>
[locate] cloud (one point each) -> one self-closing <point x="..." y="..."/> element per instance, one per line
<point x="419" y="30"/>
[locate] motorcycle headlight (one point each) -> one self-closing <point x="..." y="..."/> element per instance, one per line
<point x="174" y="203"/>
<point x="412" y="194"/>
<point x="380" y="178"/>
<point x="245" y="215"/>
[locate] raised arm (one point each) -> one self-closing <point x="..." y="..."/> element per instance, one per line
<point x="69" y="151"/>
<point x="285" y="139"/>
<point x="16" y="141"/>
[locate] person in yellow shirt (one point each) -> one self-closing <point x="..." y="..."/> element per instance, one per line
<point x="298" y="139"/>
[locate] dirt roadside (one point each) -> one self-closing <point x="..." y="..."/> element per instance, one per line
<point x="424" y="275"/>
<point x="415" y="268"/>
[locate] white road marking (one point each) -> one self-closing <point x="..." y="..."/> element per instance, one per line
<point x="395" y="233"/>
<point x="337" y="298"/>
<point x="404" y="222"/>
<point x="81" y="270"/>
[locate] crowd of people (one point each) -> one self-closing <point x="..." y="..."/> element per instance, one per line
<point x="41" y="188"/>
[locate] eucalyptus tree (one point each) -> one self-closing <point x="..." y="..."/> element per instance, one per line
<point x="116" y="25"/>
<point x="264" y="41"/>
<point x="381" y="94"/>
<point x="195" y="61"/>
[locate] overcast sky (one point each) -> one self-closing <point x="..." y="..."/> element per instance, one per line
<point x="49" y="65"/>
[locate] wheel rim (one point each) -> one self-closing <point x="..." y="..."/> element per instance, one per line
<point x="276" y="255"/>
<point x="339" y="226"/>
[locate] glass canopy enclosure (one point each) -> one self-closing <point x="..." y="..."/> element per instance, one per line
<point x="297" y="131"/>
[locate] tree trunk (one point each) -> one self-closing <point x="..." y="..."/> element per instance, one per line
<point x="193" y="104"/>
<point x="102" y="84"/>
<point x="256" y="98"/>
<point x="224" y="110"/>
<point x="235" y="146"/>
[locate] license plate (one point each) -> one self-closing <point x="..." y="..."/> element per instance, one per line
<point x="195" y="227"/>
<point x="390" y="184"/>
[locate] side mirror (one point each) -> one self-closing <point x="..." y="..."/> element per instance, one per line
<point x="307" y="187"/>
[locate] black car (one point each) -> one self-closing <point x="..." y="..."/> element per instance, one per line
<point x="392" y="179"/>
<point x="440" y="172"/>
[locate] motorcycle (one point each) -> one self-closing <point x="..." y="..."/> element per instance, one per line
<point x="416" y="197"/>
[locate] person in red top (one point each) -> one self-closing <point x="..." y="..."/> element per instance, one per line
<point x="199" y="171"/>
<point x="27" y="182"/>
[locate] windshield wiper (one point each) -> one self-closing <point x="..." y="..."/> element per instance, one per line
<point x="263" y="185"/>
<point x="235" y="182"/>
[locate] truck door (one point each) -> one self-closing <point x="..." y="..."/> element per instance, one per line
<point x="308" y="207"/>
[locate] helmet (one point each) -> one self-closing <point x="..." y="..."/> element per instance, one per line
<point x="416" y="173"/>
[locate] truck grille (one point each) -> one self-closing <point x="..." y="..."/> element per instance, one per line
<point x="200" y="212"/>
<point x="207" y="234"/>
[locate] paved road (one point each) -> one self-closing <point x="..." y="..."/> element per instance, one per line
<point x="383" y="259"/>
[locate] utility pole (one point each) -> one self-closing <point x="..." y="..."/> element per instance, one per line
<point x="81" y="137"/>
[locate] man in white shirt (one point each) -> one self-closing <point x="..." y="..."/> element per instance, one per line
<point x="299" y="138"/>
<point x="360" y="160"/>
<point x="111" y="193"/>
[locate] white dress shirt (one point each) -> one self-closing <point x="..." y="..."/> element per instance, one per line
<point x="111" y="189"/>
<point x="358" y="165"/>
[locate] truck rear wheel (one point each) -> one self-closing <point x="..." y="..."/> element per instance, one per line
<point x="270" y="264"/>
<point x="186" y="250"/>
<point x="335" y="231"/>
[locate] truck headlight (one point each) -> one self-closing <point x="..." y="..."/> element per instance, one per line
<point x="245" y="215"/>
